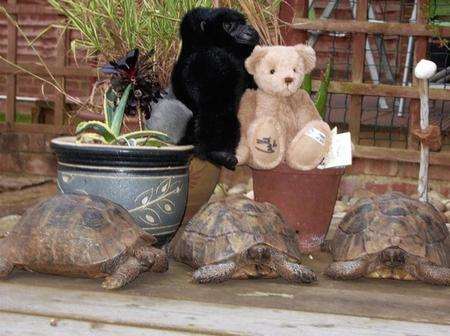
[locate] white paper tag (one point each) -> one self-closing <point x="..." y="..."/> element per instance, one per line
<point x="340" y="153"/>
<point x="316" y="135"/>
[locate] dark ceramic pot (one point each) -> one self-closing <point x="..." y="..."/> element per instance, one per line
<point x="151" y="183"/>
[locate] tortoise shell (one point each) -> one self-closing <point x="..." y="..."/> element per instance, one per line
<point x="72" y="234"/>
<point x="225" y="229"/>
<point x="376" y="223"/>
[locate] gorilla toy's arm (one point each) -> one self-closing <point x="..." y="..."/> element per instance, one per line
<point x="210" y="82"/>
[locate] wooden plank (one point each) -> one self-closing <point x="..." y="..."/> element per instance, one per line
<point x="68" y="71"/>
<point x="420" y="52"/>
<point x="11" y="80"/>
<point x="380" y="90"/>
<point x="60" y="62"/>
<point x="14" y="8"/>
<point x="195" y="317"/>
<point x="402" y="155"/>
<point x="358" y="57"/>
<point x="407" y="301"/>
<point x="289" y="10"/>
<point x="21" y="325"/>
<point x="34" y="128"/>
<point x="387" y="28"/>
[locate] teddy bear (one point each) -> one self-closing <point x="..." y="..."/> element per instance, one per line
<point x="279" y="121"/>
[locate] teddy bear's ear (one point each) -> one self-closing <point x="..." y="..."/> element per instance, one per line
<point x="308" y="55"/>
<point x="256" y="56"/>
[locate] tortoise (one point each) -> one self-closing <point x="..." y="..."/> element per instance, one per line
<point x="81" y="236"/>
<point x="391" y="236"/>
<point x="236" y="237"/>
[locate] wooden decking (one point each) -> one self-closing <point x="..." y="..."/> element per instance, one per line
<point x="169" y="304"/>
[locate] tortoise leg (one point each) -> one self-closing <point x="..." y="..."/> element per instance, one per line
<point x="154" y="258"/>
<point x="215" y="273"/>
<point x="290" y="271"/>
<point x="5" y="267"/>
<point x="125" y="273"/>
<point x="428" y="272"/>
<point x="352" y="269"/>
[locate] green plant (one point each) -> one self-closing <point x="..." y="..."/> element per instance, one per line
<point x="110" y="28"/>
<point x="320" y="100"/>
<point x="263" y="16"/>
<point x="108" y="132"/>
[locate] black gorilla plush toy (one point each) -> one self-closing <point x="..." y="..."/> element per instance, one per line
<point x="209" y="78"/>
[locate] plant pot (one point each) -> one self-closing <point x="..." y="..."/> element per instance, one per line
<point x="306" y="199"/>
<point x="151" y="183"/>
<point x="203" y="178"/>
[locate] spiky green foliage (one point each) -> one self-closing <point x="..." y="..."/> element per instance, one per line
<point x="321" y="96"/>
<point x="108" y="132"/>
<point x="110" y="28"/>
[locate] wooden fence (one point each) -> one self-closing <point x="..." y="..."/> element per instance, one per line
<point x="59" y="69"/>
<point x="296" y="12"/>
<point x="293" y="11"/>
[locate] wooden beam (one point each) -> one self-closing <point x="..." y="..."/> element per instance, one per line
<point x="420" y="52"/>
<point x="402" y="155"/>
<point x="39" y="70"/>
<point x="388" y="28"/>
<point x="386" y="90"/>
<point x="358" y="57"/>
<point x="198" y="318"/>
<point x="11" y="79"/>
<point x="35" y="128"/>
<point x="14" y="9"/>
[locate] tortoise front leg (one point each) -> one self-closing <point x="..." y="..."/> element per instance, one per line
<point x="426" y="271"/>
<point x="215" y="273"/>
<point x="353" y="269"/>
<point x="154" y="258"/>
<point x="290" y="271"/>
<point x="5" y="267"/>
<point x="125" y="273"/>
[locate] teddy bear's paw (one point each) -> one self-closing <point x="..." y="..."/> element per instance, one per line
<point x="309" y="146"/>
<point x="242" y="154"/>
<point x="266" y="142"/>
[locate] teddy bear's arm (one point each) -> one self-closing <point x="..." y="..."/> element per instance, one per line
<point x="304" y="107"/>
<point x="246" y="115"/>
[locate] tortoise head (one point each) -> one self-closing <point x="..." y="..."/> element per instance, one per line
<point x="393" y="257"/>
<point x="260" y="253"/>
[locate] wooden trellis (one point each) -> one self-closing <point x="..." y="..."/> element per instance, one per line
<point x="295" y="12"/>
<point x="59" y="69"/>
<point x="292" y="11"/>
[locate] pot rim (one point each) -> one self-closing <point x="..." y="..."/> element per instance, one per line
<point x="70" y="141"/>
<point x="286" y="170"/>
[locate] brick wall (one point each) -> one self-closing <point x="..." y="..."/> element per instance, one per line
<point x="380" y="176"/>
<point x="32" y="26"/>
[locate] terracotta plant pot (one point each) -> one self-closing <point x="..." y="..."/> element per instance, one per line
<point x="305" y="198"/>
<point x="203" y="177"/>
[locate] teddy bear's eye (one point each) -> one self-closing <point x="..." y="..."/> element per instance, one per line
<point x="295" y="70"/>
<point x="272" y="71"/>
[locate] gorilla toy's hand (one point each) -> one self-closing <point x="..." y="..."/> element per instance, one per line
<point x="225" y="159"/>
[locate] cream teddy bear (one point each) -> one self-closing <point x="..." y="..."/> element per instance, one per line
<point x="279" y="122"/>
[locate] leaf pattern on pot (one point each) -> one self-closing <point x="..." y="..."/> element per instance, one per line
<point x="151" y="203"/>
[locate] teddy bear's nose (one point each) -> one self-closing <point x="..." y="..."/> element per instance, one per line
<point x="288" y="80"/>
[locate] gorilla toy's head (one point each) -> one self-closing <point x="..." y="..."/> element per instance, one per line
<point x="221" y="27"/>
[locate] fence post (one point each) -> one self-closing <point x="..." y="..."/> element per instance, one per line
<point x="11" y="79"/>
<point x="358" y="57"/>
<point x="420" y="52"/>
